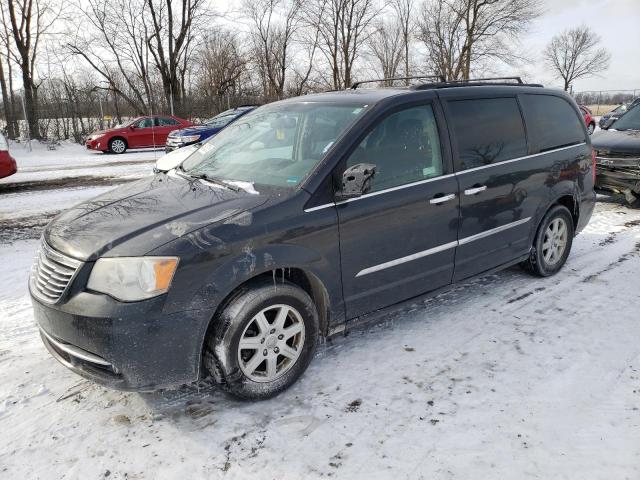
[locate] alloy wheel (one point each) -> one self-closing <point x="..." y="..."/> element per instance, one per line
<point x="271" y="343"/>
<point x="118" y="146"/>
<point x="555" y="241"/>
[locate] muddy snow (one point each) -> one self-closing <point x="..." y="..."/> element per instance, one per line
<point x="507" y="377"/>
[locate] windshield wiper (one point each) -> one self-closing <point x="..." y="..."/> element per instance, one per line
<point x="217" y="181"/>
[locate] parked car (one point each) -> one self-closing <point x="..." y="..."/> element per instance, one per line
<point x="588" y="119"/>
<point x="198" y="133"/>
<point x="8" y="164"/>
<point x="608" y="118"/>
<point x="141" y="132"/>
<point x="310" y="213"/>
<point x="618" y="156"/>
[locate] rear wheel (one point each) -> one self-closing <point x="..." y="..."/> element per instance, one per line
<point x="117" y="145"/>
<point x="263" y="340"/>
<point x="591" y="128"/>
<point x="552" y="243"/>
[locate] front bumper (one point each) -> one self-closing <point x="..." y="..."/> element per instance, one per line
<point x="172" y="145"/>
<point x="621" y="180"/>
<point x="126" y="346"/>
<point x="97" y="144"/>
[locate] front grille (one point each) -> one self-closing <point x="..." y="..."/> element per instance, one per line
<point x="52" y="273"/>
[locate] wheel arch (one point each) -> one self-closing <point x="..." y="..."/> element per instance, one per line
<point x="301" y="277"/>
<point x="568" y="200"/>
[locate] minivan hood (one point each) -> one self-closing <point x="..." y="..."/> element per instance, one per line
<point x="143" y="215"/>
<point x="625" y="141"/>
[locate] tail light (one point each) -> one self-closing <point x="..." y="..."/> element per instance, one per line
<point x="593" y="165"/>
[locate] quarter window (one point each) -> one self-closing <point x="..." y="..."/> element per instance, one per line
<point x="552" y="122"/>
<point x="404" y="147"/>
<point x="487" y="131"/>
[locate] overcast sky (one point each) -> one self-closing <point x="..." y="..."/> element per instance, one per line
<point x="618" y="24"/>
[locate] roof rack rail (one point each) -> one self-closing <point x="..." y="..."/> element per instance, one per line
<point x="440" y="78"/>
<point x="473" y="82"/>
<point x="488" y="79"/>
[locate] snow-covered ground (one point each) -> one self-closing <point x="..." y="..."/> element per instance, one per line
<point x="505" y="377"/>
<point x="73" y="160"/>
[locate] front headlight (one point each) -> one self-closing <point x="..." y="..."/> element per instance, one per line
<point x="132" y="278"/>
<point x="188" y="138"/>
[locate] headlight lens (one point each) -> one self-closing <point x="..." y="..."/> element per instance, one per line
<point x="132" y="278"/>
<point x="188" y="138"/>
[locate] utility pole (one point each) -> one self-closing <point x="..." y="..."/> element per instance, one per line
<point x="171" y="98"/>
<point x="24" y="112"/>
<point x="101" y="112"/>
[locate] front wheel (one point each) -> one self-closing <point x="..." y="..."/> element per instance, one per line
<point x="591" y="128"/>
<point x="552" y="243"/>
<point x="117" y="145"/>
<point x="263" y="340"/>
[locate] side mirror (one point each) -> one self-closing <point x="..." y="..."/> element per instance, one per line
<point x="132" y="127"/>
<point x="356" y="180"/>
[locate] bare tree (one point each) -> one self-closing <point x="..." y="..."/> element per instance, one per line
<point x="387" y="48"/>
<point x="29" y="22"/>
<point x="343" y="26"/>
<point x="111" y="38"/>
<point x="575" y="54"/>
<point x="223" y="64"/>
<point x="460" y="33"/>
<point x="273" y="26"/>
<point x="6" y="77"/>
<point x="404" y="10"/>
<point x="171" y="38"/>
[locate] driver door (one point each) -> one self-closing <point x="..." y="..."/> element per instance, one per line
<point x="142" y="134"/>
<point x="399" y="239"/>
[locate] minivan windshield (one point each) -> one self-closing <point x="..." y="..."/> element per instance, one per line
<point x="275" y="145"/>
<point x="629" y="121"/>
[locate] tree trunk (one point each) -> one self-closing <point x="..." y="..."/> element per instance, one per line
<point x="7" y="104"/>
<point x="30" y="99"/>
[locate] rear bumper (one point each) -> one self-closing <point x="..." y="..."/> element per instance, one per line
<point x="123" y="346"/>
<point x="8" y="167"/>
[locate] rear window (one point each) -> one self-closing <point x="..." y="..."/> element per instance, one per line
<point x="487" y="131"/>
<point x="551" y="122"/>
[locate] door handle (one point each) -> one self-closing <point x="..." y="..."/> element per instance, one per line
<point x="475" y="190"/>
<point x="442" y="199"/>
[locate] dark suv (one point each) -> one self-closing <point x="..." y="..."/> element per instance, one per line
<point x="302" y="216"/>
<point x="618" y="156"/>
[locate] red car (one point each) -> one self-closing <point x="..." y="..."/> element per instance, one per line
<point x="588" y="119"/>
<point x="141" y="132"/>
<point x="7" y="162"/>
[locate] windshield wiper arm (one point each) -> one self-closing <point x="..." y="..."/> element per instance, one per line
<point x="217" y="181"/>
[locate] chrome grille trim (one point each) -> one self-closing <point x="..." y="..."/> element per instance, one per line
<point x="52" y="273"/>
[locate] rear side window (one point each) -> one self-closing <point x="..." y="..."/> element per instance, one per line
<point x="487" y="131"/>
<point x="165" y="121"/>
<point x="551" y="122"/>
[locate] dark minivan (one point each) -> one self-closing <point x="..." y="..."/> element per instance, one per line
<point x="303" y="216"/>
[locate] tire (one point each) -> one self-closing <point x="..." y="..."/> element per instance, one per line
<point x="546" y="257"/>
<point x="591" y="128"/>
<point x="246" y="372"/>
<point x="117" y="145"/>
